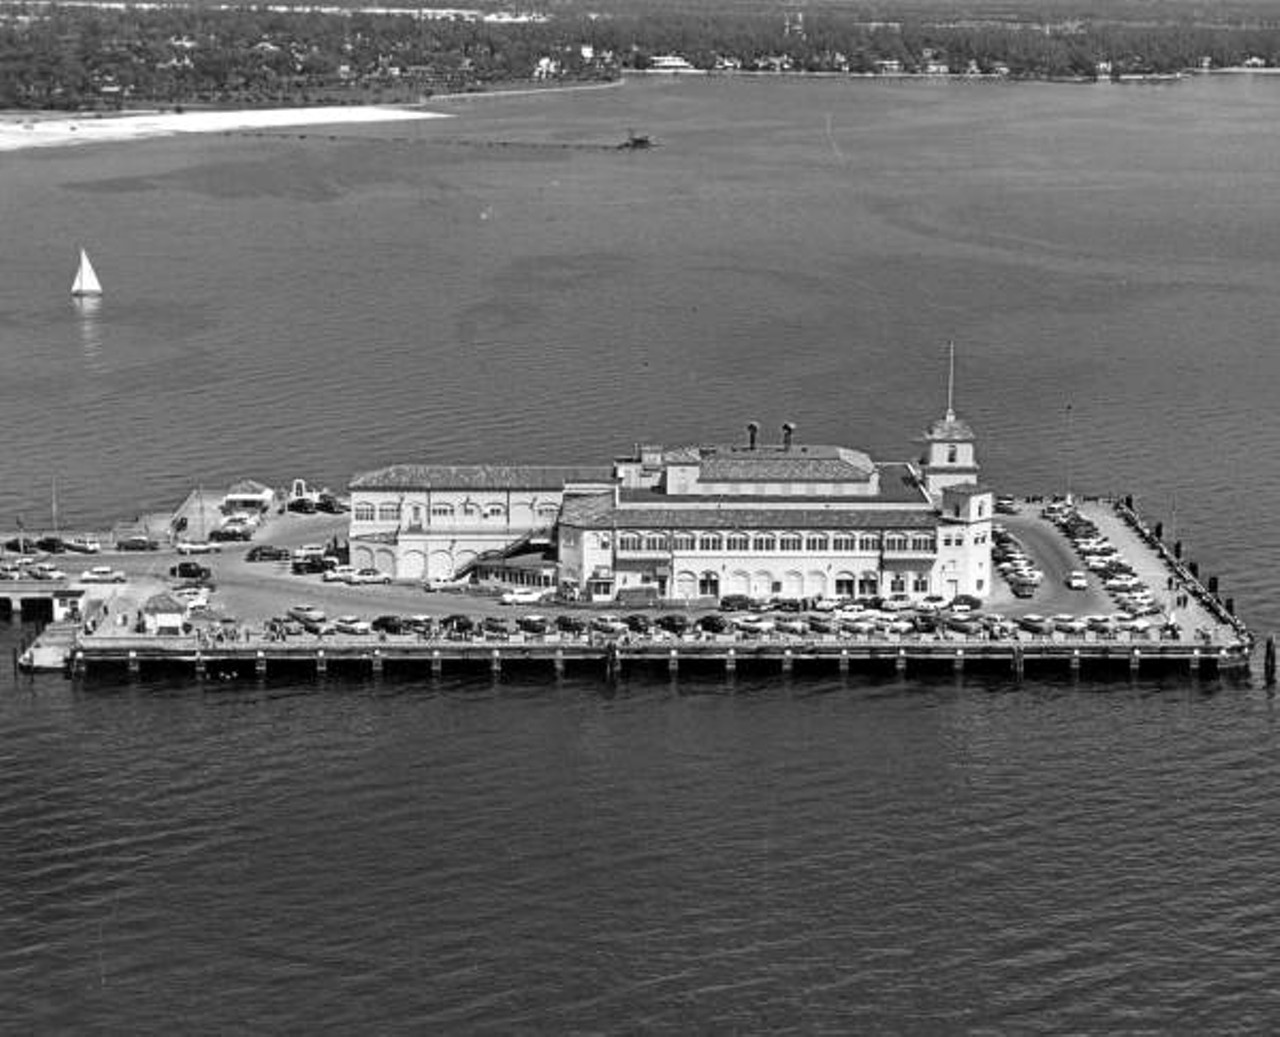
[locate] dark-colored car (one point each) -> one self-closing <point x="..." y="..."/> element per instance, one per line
<point x="389" y="625"/>
<point x="190" y="571"/>
<point x="638" y="622"/>
<point x="330" y="504"/>
<point x="53" y="545"/>
<point x="231" y="533"/>
<point x="307" y="565"/>
<point x="533" y="624"/>
<point x="267" y="553"/>
<point x="673" y="622"/>
<point x="736" y="603"/>
<point x="571" y="624"/>
<point x="302" y="506"/>
<point x="713" y="624"/>
<point x="22" y="544"/>
<point x="137" y="543"/>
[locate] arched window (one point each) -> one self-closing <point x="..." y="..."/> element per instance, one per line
<point x="629" y="541"/>
<point x="815" y="542"/>
<point x="895" y="542"/>
<point x="710" y="542"/>
<point x="790" y="542"/>
<point x="363" y="512"/>
<point x="441" y="510"/>
<point x="655" y="542"/>
<point x="922" y="542"/>
<point x="738" y="542"/>
<point x="709" y="585"/>
<point x="682" y="542"/>
<point x="844" y="542"/>
<point x="869" y="542"/>
<point x="494" y="511"/>
<point x="764" y="542"/>
<point x="388" y="512"/>
<point x="845" y="587"/>
<point x="548" y="511"/>
<point x="869" y="584"/>
<point x="952" y="454"/>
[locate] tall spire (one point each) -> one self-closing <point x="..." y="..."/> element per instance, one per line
<point x="951" y="379"/>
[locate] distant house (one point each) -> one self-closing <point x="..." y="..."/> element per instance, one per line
<point x="888" y="67"/>
<point x="669" y="63"/>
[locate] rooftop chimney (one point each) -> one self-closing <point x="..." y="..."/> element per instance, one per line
<point x="753" y="430"/>
<point x="787" y="429"/>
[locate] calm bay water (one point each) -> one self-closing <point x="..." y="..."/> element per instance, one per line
<point x="528" y="855"/>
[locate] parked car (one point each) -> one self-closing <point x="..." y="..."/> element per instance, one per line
<point x="608" y="624"/>
<point x="1077" y="581"/>
<point x="336" y="574"/>
<point x="360" y="576"/>
<point x="571" y="624"/>
<point x="307" y="613"/>
<point x="190" y="571"/>
<point x="53" y="545"/>
<point x="84" y="544"/>
<point x="196" y="547"/>
<point x="231" y="533"/>
<point x="522" y="596"/>
<point x="352" y="625"/>
<point x="533" y="624"/>
<point x="22" y="544"/>
<point x="302" y="506"/>
<point x="713" y="624"/>
<point x="736" y="603"/>
<point x="137" y="543"/>
<point x="266" y="553"/>
<point x="673" y="622"/>
<point x="389" y="624"/>
<point x="102" y="574"/>
<point x="307" y="566"/>
<point x="45" y="571"/>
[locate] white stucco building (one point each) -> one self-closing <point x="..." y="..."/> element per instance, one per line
<point x="785" y="519"/>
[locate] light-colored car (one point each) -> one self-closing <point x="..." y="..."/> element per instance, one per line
<point x="102" y="574"/>
<point x="522" y="596"/>
<point x="195" y="547"/>
<point x="368" y="576"/>
<point x="45" y="571"/>
<point x="307" y="613"/>
<point x="352" y="625"/>
<point x="85" y="544"/>
<point x="338" y="574"/>
<point x="1077" y="580"/>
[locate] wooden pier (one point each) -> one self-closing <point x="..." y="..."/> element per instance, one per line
<point x="362" y="657"/>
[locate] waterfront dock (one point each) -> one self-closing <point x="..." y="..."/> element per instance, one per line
<point x="404" y="656"/>
<point x="1196" y="632"/>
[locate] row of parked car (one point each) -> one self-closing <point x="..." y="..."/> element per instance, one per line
<point x="1101" y="557"/>
<point x="1013" y="563"/>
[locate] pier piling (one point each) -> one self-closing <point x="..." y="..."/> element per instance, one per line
<point x="673" y="662"/>
<point x="322" y="664"/>
<point x="1269" y="661"/>
<point x="437" y="663"/>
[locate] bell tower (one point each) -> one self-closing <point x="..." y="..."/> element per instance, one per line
<point x="950" y="459"/>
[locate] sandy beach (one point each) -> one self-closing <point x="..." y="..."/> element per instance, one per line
<point x="41" y="130"/>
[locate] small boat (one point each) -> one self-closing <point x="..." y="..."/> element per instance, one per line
<point x="86" y="282"/>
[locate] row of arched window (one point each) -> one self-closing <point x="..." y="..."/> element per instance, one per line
<point x="771" y="542"/>
<point x="389" y="511"/>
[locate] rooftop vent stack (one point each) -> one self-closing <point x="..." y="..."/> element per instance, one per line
<point x="753" y="430"/>
<point x="787" y="430"/>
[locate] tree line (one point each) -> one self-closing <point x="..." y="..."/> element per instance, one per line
<point x="73" y="58"/>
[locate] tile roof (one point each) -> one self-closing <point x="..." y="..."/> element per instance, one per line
<point x="898" y="485"/>
<point x="597" y="511"/>
<point x="479" y="477"/>
<point x="801" y="462"/>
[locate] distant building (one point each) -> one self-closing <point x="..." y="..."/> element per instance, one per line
<point x="783" y="520"/>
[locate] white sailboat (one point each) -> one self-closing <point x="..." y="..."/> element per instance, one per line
<point x="86" y="282"/>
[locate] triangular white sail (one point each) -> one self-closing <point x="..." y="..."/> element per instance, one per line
<point x="86" y="282"/>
